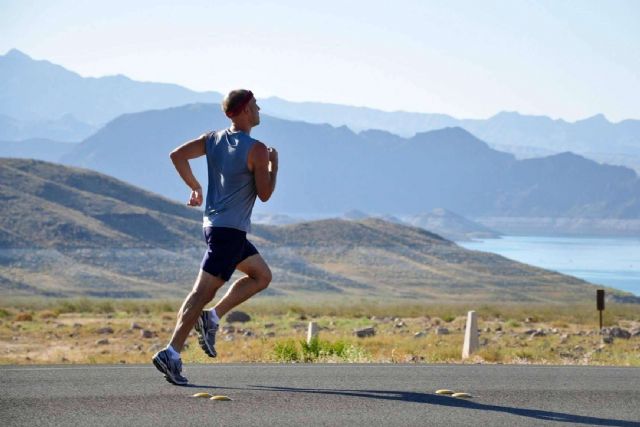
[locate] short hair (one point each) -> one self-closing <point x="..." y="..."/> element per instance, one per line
<point x="235" y="101"/>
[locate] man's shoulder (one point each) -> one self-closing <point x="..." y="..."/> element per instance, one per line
<point x="217" y="133"/>
<point x="247" y="138"/>
<point x="213" y="136"/>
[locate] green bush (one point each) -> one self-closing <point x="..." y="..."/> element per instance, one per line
<point x="82" y="305"/>
<point x="286" y="351"/>
<point x="104" y="307"/>
<point x="317" y="349"/>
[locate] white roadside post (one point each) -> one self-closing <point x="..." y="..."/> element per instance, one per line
<point x="312" y="332"/>
<point x="471" y="343"/>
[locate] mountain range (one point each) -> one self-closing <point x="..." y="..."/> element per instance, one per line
<point x="522" y="135"/>
<point x="39" y="99"/>
<point x="74" y="232"/>
<point x="36" y="92"/>
<point x="327" y="170"/>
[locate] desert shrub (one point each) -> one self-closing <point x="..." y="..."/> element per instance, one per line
<point x="523" y="354"/>
<point x="445" y="354"/>
<point x="24" y="317"/>
<point x="491" y="354"/>
<point x="82" y="305"/>
<point x="317" y="350"/>
<point x="513" y="323"/>
<point x="295" y="310"/>
<point x="285" y="351"/>
<point x="167" y="306"/>
<point x="104" y="307"/>
<point x="48" y="314"/>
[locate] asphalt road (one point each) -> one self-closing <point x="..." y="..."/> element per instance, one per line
<point x="330" y="395"/>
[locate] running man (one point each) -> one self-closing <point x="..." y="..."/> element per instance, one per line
<point x="239" y="168"/>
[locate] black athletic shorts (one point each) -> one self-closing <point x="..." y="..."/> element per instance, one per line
<point x="227" y="247"/>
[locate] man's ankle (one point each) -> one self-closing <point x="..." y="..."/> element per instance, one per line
<point x="173" y="352"/>
<point x="214" y="316"/>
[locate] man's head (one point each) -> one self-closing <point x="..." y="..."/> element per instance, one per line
<point x="241" y="107"/>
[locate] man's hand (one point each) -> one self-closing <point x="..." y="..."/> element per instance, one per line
<point x="180" y="158"/>
<point x="273" y="159"/>
<point x="196" y="197"/>
<point x="263" y="162"/>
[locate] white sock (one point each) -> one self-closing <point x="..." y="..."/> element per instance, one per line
<point x="172" y="352"/>
<point x="214" y="316"/>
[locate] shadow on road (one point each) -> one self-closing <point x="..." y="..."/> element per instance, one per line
<point x="434" y="399"/>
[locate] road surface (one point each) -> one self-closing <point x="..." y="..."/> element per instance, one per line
<point x="321" y="394"/>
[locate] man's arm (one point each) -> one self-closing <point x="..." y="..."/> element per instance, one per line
<point x="180" y="158"/>
<point x="263" y="162"/>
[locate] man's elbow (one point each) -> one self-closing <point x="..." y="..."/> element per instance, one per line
<point x="175" y="155"/>
<point x="264" y="197"/>
<point x="264" y="194"/>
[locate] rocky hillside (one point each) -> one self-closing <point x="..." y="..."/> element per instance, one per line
<point x="69" y="232"/>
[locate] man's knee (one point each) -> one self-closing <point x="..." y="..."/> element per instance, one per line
<point x="206" y="285"/>
<point x="263" y="277"/>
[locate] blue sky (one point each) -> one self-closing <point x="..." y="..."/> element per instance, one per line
<point x="566" y="59"/>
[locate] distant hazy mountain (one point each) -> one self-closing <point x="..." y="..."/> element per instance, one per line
<point x="66" y="128"/>
<point x="440" y="221"/>
<point x="356" y="118"/>
<point x="39" y="90"/>
<point x="274" y="219"/>
<point x="71" y="232"/>
<point x="451" y="225"/>
<point x="563" y="226"/>
<point x="525" y="136"/>
<point x="39" y="149"/>
<point x="327" y="170"/>
<point x="355" y="214"/>
<point x="47" y="101"/>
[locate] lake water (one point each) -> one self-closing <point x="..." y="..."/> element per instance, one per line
<point x="613" y="262"/>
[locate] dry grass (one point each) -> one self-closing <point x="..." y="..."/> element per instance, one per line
<point x="50" y="331"/>
<point x="24" y="317"/>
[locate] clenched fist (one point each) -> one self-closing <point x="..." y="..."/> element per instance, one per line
<point x="273" y="158"/>
<point x="196" y="197"/>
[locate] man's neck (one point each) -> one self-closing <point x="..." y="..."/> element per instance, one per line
<point x="235" y="127"/>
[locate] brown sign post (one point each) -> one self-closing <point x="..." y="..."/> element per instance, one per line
<point x="600" y="304"/>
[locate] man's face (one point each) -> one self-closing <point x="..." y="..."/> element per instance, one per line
<point x="254" y="112"/>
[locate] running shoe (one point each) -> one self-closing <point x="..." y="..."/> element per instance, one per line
<point x="207" y="329"/>
<point x="171" y="368"/>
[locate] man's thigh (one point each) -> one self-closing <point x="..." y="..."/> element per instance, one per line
<point x="254" y="266"/>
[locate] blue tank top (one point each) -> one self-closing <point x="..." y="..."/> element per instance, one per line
<point x="231" y="192"/>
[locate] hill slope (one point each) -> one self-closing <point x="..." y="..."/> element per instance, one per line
<point x="66" y="231"/>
